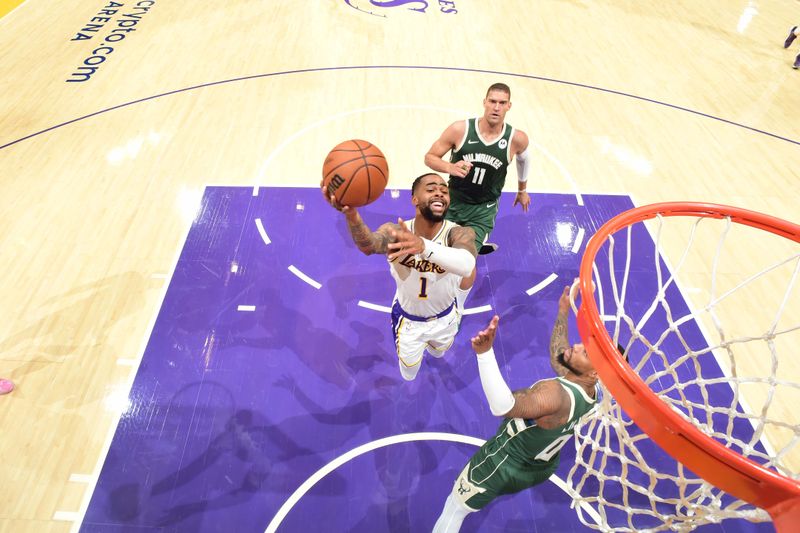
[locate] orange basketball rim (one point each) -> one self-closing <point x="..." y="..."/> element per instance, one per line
<point x="728" y="470"/>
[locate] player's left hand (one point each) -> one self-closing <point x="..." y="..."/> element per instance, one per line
<point x="483" y="341"/>
<point x="331" y="199"/>
<point x="405" y="241"/>
<point x="563" y="301"/>
<point x="522" y="199"/>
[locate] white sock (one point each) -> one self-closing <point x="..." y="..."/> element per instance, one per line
<point x="461" y="297"/>
<point x="452" y="515"/>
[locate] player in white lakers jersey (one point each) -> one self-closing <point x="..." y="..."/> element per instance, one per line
<point x="433" y="262"/>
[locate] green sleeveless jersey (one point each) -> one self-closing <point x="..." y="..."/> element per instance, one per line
<point x="526" y="442"/>
<point x="485" y="180"/>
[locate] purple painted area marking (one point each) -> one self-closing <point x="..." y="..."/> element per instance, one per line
<point x="231" y="412"/>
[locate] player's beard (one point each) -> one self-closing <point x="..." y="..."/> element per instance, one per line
<point x="430" y="216"/>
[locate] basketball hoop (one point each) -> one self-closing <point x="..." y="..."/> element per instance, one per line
<point x="681" y="417"/>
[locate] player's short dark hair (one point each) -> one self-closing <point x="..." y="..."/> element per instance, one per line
<point x="419" y="180"/>
<point x="560" y="358"/>
<point x="502" y="87"/>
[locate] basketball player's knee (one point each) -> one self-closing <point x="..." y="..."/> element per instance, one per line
<point x="464" y="490"/>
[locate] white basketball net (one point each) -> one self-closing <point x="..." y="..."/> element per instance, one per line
<point x="724" y="362"/>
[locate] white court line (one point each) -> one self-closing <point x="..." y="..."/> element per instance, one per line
<point x="374" y="307"/>
<point x="81" y="478"/>
<point x="263" y="168"/>
<point x="578" y="240"/>
<point x="246" y="308"/>
<point x="380" y="443"/>
<point x="542" y="284"/>
<point x="127" y="362"/>
<point x="66" y="516"/>
<point x="475" y="310"/>
<point x="262" y="231"/>
<point x="294" y="270"/>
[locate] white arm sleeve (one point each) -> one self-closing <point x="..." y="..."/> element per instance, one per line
<point x="523" y="165"/>
<point x="501" y="400"/>
<point x="455" y="260"/>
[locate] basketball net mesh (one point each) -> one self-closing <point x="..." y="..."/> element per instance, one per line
<point x="717" y="363"/>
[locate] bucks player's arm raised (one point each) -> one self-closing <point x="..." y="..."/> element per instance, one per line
<point x="546" y="402"/>
<point x="559" y="341"/>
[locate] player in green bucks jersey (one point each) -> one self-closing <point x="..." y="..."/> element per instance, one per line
<point x="481" y="151"/>
<point x="537" y="422"/>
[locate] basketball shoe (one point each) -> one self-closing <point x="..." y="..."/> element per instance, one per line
<point x="790" y="39"/>
<point x="487" y="248"/>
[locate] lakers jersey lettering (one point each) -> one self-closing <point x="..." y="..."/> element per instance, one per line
<point x="424" y="288"/>
<point x="423" y="265"/>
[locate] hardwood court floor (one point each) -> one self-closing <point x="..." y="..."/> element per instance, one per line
<point x="102" y="177"/>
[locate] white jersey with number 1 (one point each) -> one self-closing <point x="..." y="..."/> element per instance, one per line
<point x="424" y="288"/>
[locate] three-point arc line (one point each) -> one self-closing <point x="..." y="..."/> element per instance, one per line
<point x="309" y="483"/>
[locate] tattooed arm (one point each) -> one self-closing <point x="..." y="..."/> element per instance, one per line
<point x="558" y="338"/>
<point x="368" y="241"/>
<point x="464" y="238"/>
<point x="546" y="402"/>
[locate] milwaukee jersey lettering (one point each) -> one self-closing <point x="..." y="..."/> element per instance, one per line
<point x="424" y="288"/>
<point x="486" y="178"/>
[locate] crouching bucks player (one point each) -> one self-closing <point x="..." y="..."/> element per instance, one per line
<point x="432" y="260"/>
<point x="538" y="421"/>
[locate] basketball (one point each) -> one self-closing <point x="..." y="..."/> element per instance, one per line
<point x="355" y="172"/>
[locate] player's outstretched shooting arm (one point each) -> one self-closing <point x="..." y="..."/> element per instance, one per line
<point x="368" y="241"/>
